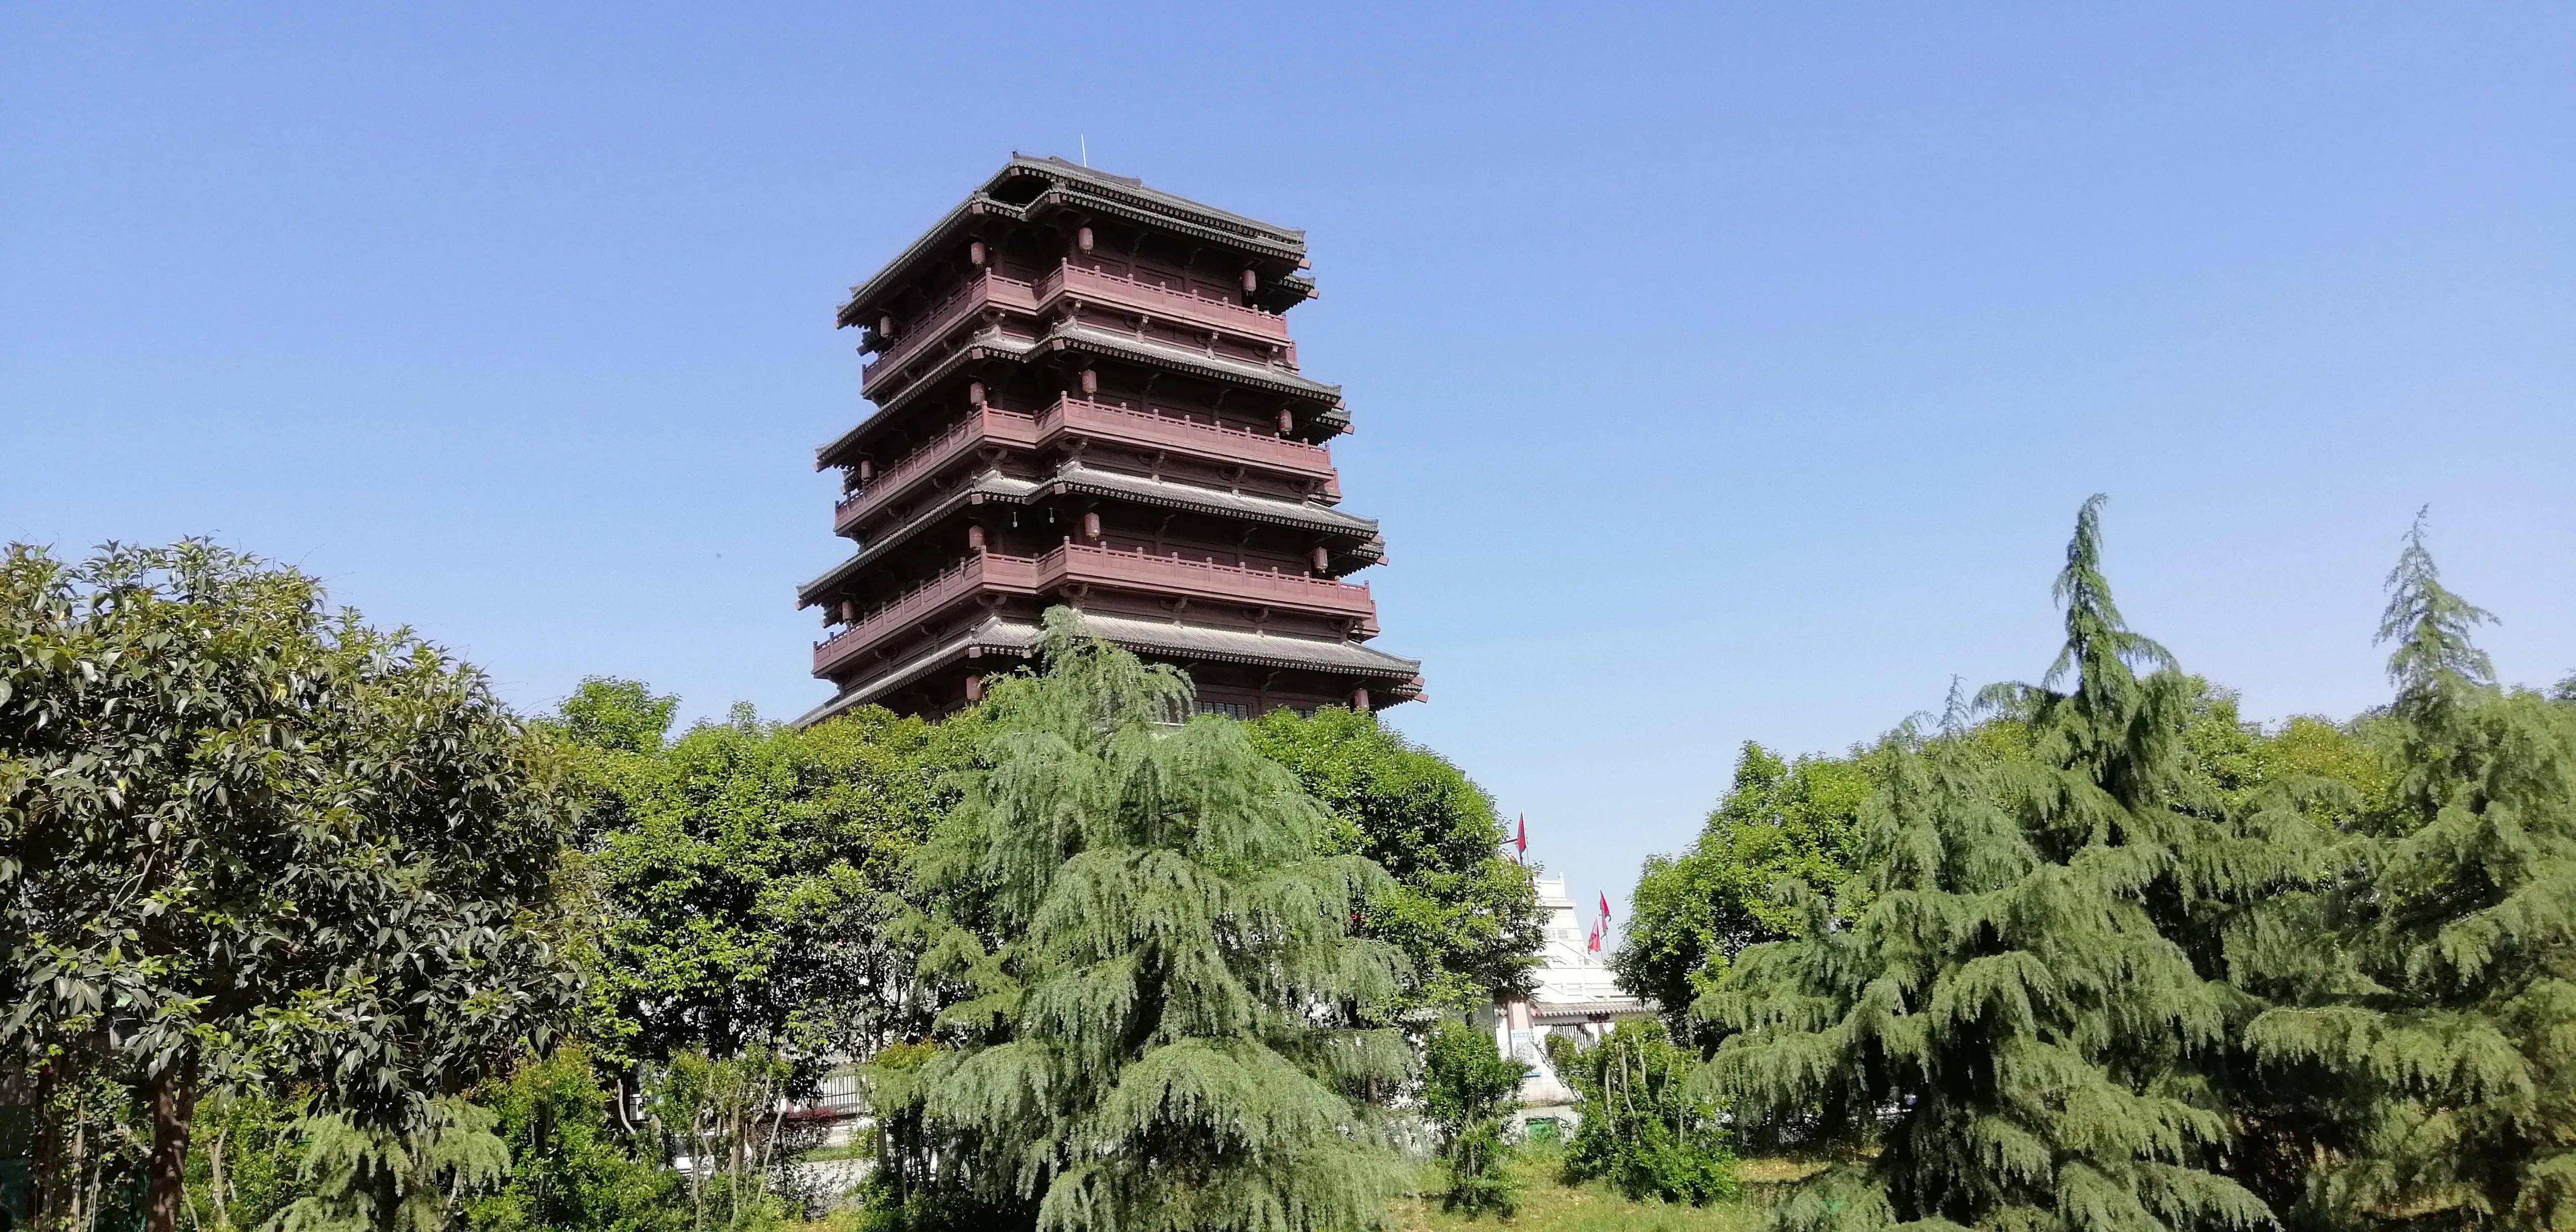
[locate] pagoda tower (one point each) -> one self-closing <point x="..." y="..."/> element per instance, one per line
<point x="1085" y="394"/>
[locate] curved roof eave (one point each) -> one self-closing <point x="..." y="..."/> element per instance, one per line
<point x="1061" y="171"/>
<point x="853" y="311"/>
<point x="1235" y="645"/>
<point x="1178" y="639"/>
<point x="978" y="349"/>
<point x="1210" y="500"/>
<point x="1214" y="366"/>
<point x="993" y="634"/>
<point x="991" y="485"/>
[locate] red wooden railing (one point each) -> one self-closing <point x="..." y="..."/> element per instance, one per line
<point x="987" y="424"/>
<point x="1082" y="562"/>
<point x="930" y="324"/>
<point x="1151" y="297"/>
<point x="1075" y="562"/>
<point x="1087" y="417"/>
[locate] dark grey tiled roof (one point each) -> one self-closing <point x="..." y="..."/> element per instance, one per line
<point x="1216" y="500"/>
<point x="1059" y="168"/>
<point x="993" y="634"/>
<point x="992" y="485"/>
<point x="1196" y="360"/>
<point x="1202" y="641"/>
<point x="1074" y="184"/>
<point x="1176" y="640"/>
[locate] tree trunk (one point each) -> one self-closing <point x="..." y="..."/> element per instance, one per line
<point x="387" y="1185"/>
<point x="174" y="1105"/>
<point x="46" y="1187"/>
<point x="697" y="1170"/>
<point x="82" y="1210"/>
<point x="215" y="1181"/>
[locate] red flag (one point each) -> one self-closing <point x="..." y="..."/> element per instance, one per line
<point x="1595" y="945"/>
<point x="1605" y="904"/>
<point x="1522" y="841"/>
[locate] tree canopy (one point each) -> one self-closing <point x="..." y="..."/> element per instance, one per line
<point x="1799" y="822"/>
<point x="297" y="919"/>
<point x="243" y="840"/>
<point x="739" y="872"/>
<point x="2004" y="1021"/>
<point x="1468" y="1086"/>
<point x="2447" y="1007"/>
<point x="1467" y="918"/>
<point x="1691" y="914"/>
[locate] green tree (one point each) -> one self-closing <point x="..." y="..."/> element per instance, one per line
<point x="2262" y="811"/>
<point x="2451" y="1020"/>
<point x="1691" y="914"/>
<point x="361" y="1177"/>
<point x="142" y="825"/>
<point x="245" y="1157"/>
<point x="1799" y="822"/>
<point x="908" y="1190"/>
<point x="723" y="1116"/>
<point x="622" y="716"/>
<point x="240" y="835"/>
<point x="2005" y="1022"/>
<point x="1466" y="918"/>
<point x="1644" y="1129"/>
<point x="571" y="1168"/>
<point x="1167" y="1031"/>
<point x="738" y="875"/>
<point x="2238" y="762"/>
<point x="1468" y="1086"/>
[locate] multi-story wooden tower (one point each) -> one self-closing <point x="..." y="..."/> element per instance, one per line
<point x="1086" y="395"/>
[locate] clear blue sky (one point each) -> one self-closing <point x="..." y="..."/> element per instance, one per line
<point x="1721" y="372"/>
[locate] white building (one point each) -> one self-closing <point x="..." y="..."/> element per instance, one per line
<point x="1575" y="997"/>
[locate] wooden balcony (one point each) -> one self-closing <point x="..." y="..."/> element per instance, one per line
<point x="985" y="427"/>
<point x="934" y="322"/>
<point x="1173" y="575"/>
<point x="1213" y="441"/>
<point x="1155" y="299"/>
<point x="1080" y="565"/>
<point x="964" y="580"/>
<point x="991" y="290"/>
<point x="1095" y="420"/>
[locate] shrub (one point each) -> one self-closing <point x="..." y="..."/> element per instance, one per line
<point x="1643" y="1131"/>
<point x="1467" y="1087"/>
<point x="571" y="1168"/>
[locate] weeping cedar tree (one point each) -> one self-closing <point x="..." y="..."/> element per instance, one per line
<point x="2451" y="1018"/>
<point x="1164" y="1032"/>
<point x="2005" y="1019"/>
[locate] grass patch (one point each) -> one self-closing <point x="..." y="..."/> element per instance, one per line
<point x="1772" y="1172"/>
<point x="1550" y="1205"/>
<point x="831" y="1154"/>
<point x="1547" y="1204"/>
